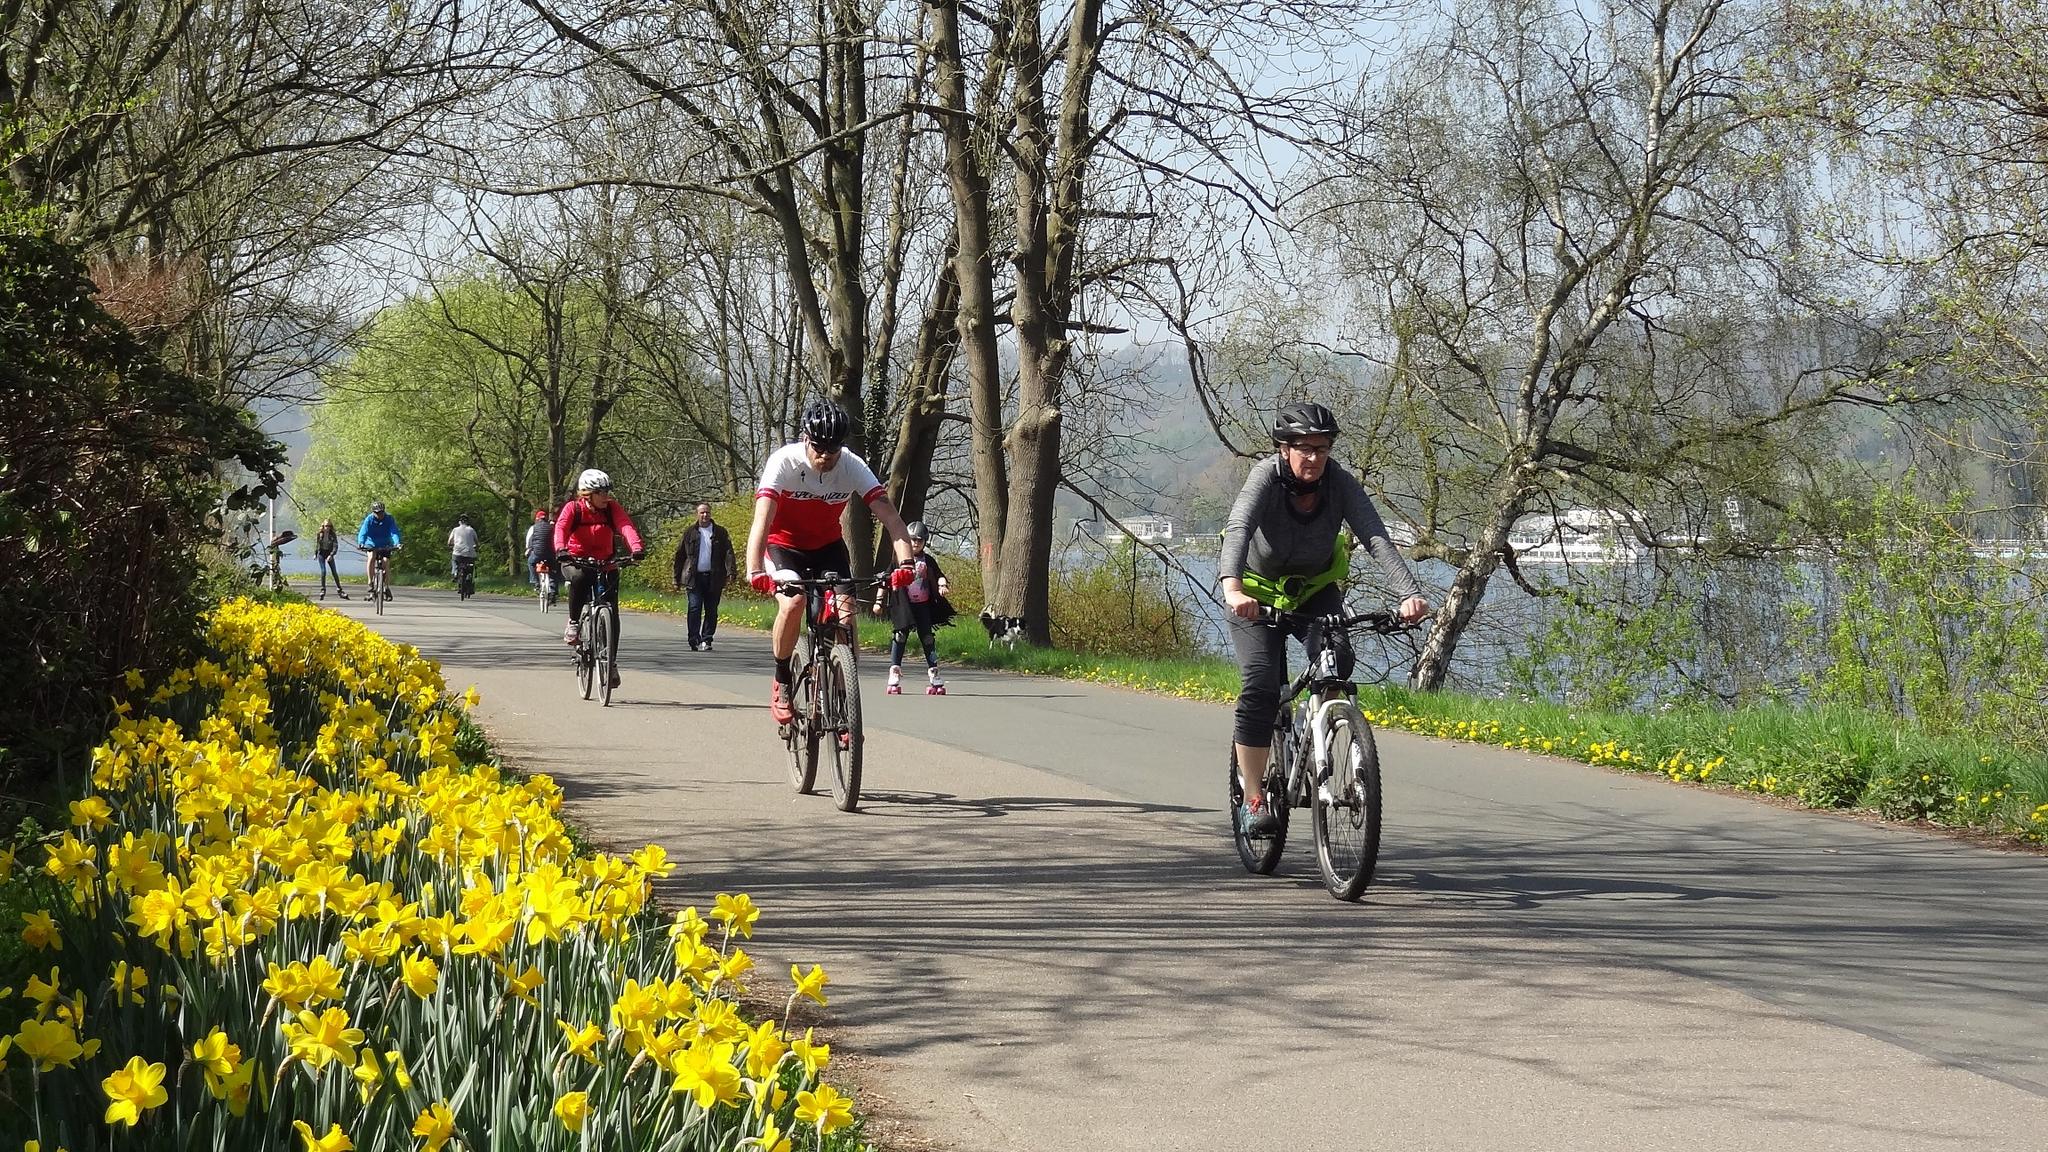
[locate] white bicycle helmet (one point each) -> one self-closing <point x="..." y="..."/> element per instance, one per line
<point x="593" y="480"/>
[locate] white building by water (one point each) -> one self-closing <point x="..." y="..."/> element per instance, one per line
<point x="1576" y="536"/>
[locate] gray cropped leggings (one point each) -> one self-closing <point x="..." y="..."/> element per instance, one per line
<point x="1262" y="666"/>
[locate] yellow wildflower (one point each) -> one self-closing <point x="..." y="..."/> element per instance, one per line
<point x="421" y="975"/>
<point x="40" y="932"/>
<point x="771" y="1139"/>
<point x="706" y="1074"/>
<point x="737" y="913"/>
<point x="582" y="1041"/>
<point x="320" y="1039"/>
<point x="572" y="1108"/>
<point x="436" y="1125"/>
<point x="814" y="1057"/>
<point x="134" y="1089"/>
<point x="825" y="1108"/>
<point x="811" y="984"/>
<point x="50" y="1043"/>
<point x="334" y="1141"/>
<point x="91" y="812"/>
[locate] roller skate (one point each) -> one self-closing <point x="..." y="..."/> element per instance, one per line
<point x="895" y="680"/>
<point x="936" y="686"/>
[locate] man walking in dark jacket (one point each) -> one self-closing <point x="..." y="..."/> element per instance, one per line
<point x="704" y="564"/>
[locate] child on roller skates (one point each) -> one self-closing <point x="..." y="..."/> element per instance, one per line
<point x="920" y="605"/>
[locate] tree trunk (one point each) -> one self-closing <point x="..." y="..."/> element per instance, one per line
<point x="975" y="277"/>
<point x="917" y="438"/>
<point x="1468" y="588"/>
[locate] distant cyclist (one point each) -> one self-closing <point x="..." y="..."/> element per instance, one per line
<point x="591" y="527"/>
<point x="378" y="538"/>
<point x="804" y="488"/>
<point x="1282" y="548"/>
<point x="461" y="546"/>
<point x="540" y="546"/>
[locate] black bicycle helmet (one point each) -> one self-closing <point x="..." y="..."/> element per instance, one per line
<point x="826" y="425"/>
<point x="1304" y="419"/>
<point x="917" y="531"/>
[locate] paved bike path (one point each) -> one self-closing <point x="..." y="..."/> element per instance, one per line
<point x="1040" y="937"/>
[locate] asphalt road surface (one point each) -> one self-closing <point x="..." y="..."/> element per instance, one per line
<point x="1040" y="938"/>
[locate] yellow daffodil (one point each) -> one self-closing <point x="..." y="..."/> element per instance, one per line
<point x="91" y="812"/>
<point x="654" y="861"/>
<point x="811" y="984"/>
<point x="319" y="1040"/>
<point x="572" y="1108"/>
<point x="706" y="1074"/>
<point x="134" y="1089"/>
<point x="582" y="1041"/>
<point x="771" y="1139"/>
<point x="814" y="1057"/>
<point x="825" y="1108"/>
<point x="40" y="931"/>
<point x="50" y="1043"/>
<point x="765" y="1049"/>
<point x="129" y="981"/>
<point x="218" y="1059"/>
<point x="334" y="1141"/>
<point x="737" y="913"/>
<point x="436" y="1125"/>
<point x="421" y="975"/>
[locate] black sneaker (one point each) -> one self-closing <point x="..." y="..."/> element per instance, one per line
<point x="707" y="644"/>
<point x="1255" y="818"/>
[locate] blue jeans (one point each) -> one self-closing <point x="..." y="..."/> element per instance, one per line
<point x="703" y="615"/>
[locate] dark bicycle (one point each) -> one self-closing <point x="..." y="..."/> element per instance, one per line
<point x="465" y="577"/>
<point x="1323" y="758"/>
<point x="825" y="699"/>
<point x="597" y="653"/>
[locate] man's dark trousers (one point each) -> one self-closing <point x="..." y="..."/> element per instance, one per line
<point x="703" y="616"/>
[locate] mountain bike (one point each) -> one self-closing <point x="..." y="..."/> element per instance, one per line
<point x="465" y="577"/>
<point x="597" y="652"/>
<point x="380" y="577"/>
<point x="1324" y="758"/>
<point x="825" y="697"/>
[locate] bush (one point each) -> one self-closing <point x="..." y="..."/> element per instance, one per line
<point x="110" y="494"/>
<point x="1912" y="792"/>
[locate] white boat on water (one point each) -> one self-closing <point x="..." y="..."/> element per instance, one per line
<point x="1576" y="536"/>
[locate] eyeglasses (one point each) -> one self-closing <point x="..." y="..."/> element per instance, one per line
<point x="1310" y="449"/>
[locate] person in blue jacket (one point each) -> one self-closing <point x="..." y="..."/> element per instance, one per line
<point x="378" y="538"/>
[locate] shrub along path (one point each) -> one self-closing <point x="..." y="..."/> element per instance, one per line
<point x="1039" y="930"/>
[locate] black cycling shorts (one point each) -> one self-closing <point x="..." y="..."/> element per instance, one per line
<point x="811" y="563"/>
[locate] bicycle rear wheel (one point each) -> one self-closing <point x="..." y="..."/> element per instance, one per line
<point x="604" y="650"/>
<point x="842" y="734"/>
<point x="801" y="733"/>
<point x="541" y="586"/>
<point x="1347" y="807"/>
<point x="1260" y="856"/>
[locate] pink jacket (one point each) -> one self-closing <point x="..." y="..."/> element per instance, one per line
<point x="584" y="531"/>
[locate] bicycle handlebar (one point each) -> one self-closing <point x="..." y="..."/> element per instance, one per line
<point x="1383" y="623"/>
<point x="593" y="562"/>
<point x="829" y="580"/>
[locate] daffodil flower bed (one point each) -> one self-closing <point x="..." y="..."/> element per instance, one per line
<point x="290" y="915"/>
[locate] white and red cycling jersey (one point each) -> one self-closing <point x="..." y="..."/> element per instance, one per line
<point x="808" y="502"/>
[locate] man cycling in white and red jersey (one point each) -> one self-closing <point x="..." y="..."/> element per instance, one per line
<point x="796" y="533"/>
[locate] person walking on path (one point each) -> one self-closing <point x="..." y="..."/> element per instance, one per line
<point x="704" y="564"/>
<point x="326" y="545"/>
<point x="918" y="606"/>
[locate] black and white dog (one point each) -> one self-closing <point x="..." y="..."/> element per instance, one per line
<point x="1004" y="630"/>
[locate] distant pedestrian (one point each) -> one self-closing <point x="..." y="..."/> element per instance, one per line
<point x="704" y="563"/>
<point x="325" y="546"/>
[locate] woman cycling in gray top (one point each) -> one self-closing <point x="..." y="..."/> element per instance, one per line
<point x="1281" y="548"/>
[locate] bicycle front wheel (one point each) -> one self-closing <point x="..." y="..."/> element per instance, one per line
<point x="842" y="728"/>
<point x="801" y="733"/>
<point x="1260" y="856"/>
<point x="605" y="647"/>
<point x="1347" y="806"/>
<point x="377" y="589"/>
<point x="586" y="665"/>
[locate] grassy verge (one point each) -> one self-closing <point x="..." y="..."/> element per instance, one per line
<point x="1823" y="758"/>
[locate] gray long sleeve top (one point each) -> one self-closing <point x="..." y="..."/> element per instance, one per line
<point x="1267" y="536"/>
